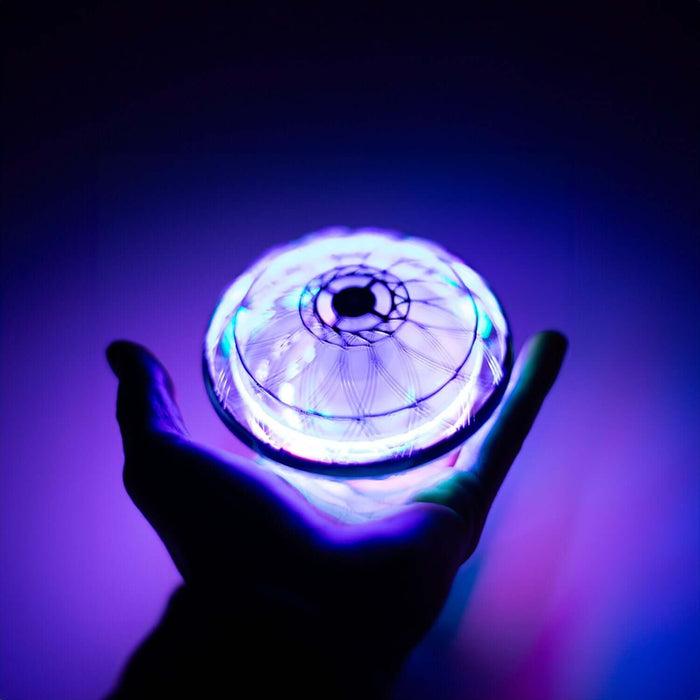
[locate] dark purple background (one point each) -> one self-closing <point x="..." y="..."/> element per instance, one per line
<point x="150" y="155"/>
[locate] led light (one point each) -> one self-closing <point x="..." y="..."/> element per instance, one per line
<point x="357" y="353"/>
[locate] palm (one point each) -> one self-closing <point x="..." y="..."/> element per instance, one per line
<point x="231" y="526"/>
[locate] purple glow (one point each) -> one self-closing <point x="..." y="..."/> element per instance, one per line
<point x="591" y="545"/>
<point x="131" y="197"/>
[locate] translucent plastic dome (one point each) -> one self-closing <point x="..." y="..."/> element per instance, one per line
<point x="356" y="353"/>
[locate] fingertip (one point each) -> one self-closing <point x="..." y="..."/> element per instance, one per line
<point x="552" y="351"/>
<point x="550" y="340"/>
<point x="115" y="353"/>
<point x="556" y="343"/>
<point x="131" y="361"/>
<point x="542" y="355"/>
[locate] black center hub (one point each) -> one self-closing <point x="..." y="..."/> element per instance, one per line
<point x="354" y="301"/>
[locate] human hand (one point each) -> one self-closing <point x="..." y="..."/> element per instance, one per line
<point x="350" y="600"/>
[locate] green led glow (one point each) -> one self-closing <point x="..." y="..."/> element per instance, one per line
<point x="291" y="301"/>
<point x="485" y="326"/>
<point x="227" y="340"/>
<point x="449" y="280"/>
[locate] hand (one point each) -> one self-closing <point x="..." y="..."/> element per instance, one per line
<point x="262" y="566"/>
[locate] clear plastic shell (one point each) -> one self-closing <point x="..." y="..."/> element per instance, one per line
<point x="356" y="353"/>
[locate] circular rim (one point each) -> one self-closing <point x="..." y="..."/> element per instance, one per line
<point x="384" y="467"/>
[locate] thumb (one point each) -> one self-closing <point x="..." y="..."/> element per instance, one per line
<point x="146" y="405"/>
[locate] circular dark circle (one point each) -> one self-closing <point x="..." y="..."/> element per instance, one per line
<point x="354" y="301"/>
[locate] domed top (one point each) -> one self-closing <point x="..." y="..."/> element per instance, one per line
<point x="357" y="353"/>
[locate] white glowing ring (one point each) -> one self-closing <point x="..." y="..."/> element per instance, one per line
<point x="356" y="353"/>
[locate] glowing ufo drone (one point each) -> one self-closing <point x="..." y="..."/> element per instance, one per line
<point x="356" y="353"/>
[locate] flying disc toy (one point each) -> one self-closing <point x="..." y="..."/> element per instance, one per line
<point x="355" y="353"/>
